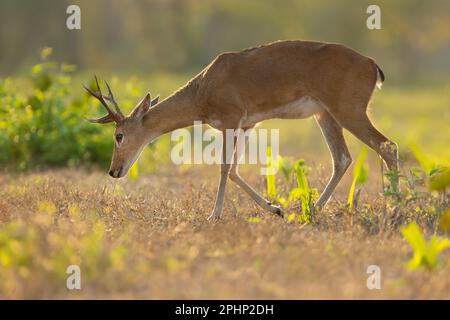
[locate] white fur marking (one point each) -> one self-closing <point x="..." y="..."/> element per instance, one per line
<point x="298" y="109"/>
<point x="379" y="83"/>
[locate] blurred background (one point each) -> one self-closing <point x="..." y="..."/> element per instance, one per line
<point x="141" y="37"/>
<point x="157" y="45"/>
<point x="146" y="236"/>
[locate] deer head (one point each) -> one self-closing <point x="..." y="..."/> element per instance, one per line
<point x="129" y="136"/>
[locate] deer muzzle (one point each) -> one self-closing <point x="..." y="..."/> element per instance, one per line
<point x="117" y="173"/>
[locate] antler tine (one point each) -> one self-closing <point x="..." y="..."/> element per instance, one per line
<point x="99" y="96"/>
<point x="98" y="86"/>
<point x="89" y="90"/>
<point x="110" y="98"/>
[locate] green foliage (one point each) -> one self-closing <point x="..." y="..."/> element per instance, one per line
<point x="301" y="192"/>
<point x="286" y="167"/>
<point x="437" y="175"/>
<point x="270" y="177"/>
<point x="359" y="175"/>
<point x="425" y="254"/>
<point x="14" y="251"/>
<point x="45" y="127"/>
<point x="439" y="179"/>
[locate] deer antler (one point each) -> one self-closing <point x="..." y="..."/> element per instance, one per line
<point x="116" y="116"/>
<point x="110" y="98"/>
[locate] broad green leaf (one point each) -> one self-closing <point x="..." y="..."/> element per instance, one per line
<point x="415" y="238"/>
<point x="438" y="176"/>
<point x="439" y="179"/>
<point x="425" y="255"/>
<point x="435" y="247"/>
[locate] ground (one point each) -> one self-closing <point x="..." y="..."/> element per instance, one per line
<point x="150" y="239"/>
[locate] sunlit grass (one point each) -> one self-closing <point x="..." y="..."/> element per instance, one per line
<point x="149" y="238"/>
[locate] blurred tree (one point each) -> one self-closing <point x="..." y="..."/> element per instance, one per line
<point x="179" y="36"/>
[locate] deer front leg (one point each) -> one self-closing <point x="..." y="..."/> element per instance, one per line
<point x="224" y="171"/>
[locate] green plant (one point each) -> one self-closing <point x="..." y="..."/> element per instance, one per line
<point x="359" y="176"/>
<point x="437" y="175"/>
<point x="425" y="254"/>
<point x="45" y="127"/>
<point x="270" y="177"/>
<point x="301" y="192"/>
<point x="286" y="167"/>
<point x="42" y="120"/>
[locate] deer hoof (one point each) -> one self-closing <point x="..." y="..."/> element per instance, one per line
<point x="275" y="209"/>
<point x="213" y="217"/>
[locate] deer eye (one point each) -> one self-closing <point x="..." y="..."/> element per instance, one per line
<point x="119" y="137"/>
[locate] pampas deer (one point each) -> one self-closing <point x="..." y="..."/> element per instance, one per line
<point x="284" y="79"/>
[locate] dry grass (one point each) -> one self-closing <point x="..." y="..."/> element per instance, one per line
<point x="150" y="239"/>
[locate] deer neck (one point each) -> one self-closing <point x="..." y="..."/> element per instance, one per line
<point x="175" y="112"/>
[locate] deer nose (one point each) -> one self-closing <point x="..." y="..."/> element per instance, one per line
<point x="111" y="173"/>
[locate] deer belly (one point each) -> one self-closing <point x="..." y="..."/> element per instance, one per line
<point x="301" y="108"/>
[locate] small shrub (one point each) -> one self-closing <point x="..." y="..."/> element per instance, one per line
<point x="301" y="192"/>
<point x="425" y="254"/>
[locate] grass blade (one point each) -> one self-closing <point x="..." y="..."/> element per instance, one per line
<point x="359" y="175"/>
<point x="270" y="177"/>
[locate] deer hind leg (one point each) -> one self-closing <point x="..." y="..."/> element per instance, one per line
<point x="332" y="131"/>
<point x="235" y="177"/>
<point x="359" y="124"/>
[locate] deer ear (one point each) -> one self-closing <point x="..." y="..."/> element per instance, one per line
<point x="141" y="109"/>
<point x="154" y="101"/>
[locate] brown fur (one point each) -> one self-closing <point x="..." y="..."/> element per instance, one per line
<point x="254" y="84"/>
